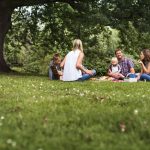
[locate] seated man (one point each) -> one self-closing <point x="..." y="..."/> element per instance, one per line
<point x="127" y="66"/>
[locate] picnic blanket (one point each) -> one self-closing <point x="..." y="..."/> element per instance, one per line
<point x="102" y="78"/>
<point x="107" y="78"/>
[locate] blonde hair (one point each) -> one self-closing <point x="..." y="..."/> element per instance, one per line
<point x="77" y="44"/>
<point x="114" y="59"/>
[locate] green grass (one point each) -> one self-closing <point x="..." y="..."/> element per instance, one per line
<point x="39" y="114"/>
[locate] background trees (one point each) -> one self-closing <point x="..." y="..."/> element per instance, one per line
<point x="38" y="32"/>
<point x="6" y="9"/>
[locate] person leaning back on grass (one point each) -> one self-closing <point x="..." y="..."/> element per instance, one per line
<point x="72" y="64"/>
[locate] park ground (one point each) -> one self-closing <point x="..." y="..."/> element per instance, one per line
<point x="39" y="114"/>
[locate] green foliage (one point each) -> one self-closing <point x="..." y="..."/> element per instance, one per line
<point x="37" y="61"/>
<point x="131" y="18"/>
<point x="129" y="38"/>
<point x="40" y="31"/>
<point x="144" y="39"/>
<point x="50" y="29"/>
<point x="37" y="113"/>
<point x="133" y="41"/>
<point x="101" y="50"/>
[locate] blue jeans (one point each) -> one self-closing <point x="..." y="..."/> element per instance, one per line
<point x="87" y="76"/>
<point x="145" y="76"/>
<point x="51" y="75"/>
<point x="132" y="75"/>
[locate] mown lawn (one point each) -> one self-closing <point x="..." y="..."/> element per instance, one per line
<point x="39" y="114"/>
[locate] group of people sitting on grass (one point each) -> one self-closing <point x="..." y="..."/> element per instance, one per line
<point x="120" y="67"/>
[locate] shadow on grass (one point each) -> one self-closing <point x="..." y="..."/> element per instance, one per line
<point x="21" y="73"/>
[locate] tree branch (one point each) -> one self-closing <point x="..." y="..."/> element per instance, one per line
<point x="19" y="3"/>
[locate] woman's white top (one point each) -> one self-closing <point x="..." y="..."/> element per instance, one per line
<point x="71" y="73"/>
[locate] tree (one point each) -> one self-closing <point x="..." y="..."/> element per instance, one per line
<point x="50" y="28"/>
<point x="122" y="11"/>
<point x="6" y="9"/>
<point x="132" y="19"/>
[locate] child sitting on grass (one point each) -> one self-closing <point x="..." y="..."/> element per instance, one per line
<point x="55" y="72"/>
<point x="114" y="69"/>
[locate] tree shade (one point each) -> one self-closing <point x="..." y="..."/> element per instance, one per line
<point x="117" y="12"/>
<point x="6" y="9"/>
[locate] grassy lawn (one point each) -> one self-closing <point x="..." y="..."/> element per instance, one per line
<point x="39" y="114"/>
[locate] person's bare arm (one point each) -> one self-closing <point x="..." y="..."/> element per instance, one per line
<point x="109" y="73"/>
<point x="80" y="66"/>
<point x="63" y="63"/>
<point x="144" y="69"/>
<point x="132" y="70"/>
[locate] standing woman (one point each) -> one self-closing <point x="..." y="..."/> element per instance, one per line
<point x="145" y="65"/>
<point x="72" y="64"/>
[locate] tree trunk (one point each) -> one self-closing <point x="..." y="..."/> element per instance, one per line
<point x="5" y="23"/>
<point x="6" y="9"/>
